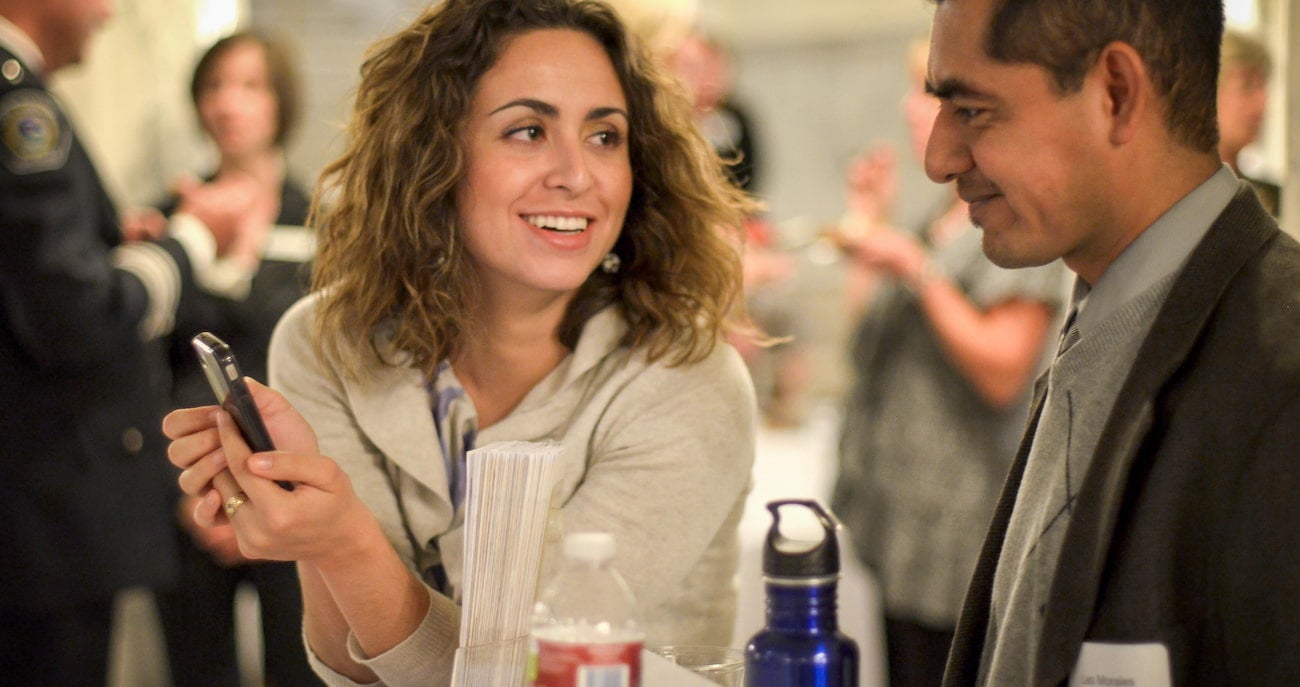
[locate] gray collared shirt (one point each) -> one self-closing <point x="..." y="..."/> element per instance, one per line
<point x="1113" y="319"/>
<point x="1155" y="253"/>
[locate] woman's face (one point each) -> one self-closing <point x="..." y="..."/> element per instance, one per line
<point x="548" y="174"/>
<point x="237" y="104"/>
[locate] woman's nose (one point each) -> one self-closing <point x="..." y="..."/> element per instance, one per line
<point x="569" y="169"/>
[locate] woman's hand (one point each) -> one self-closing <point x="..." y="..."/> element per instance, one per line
<point x="313" y="521"/>
<point x="871" y="184"/>
<point x="887" y="251"/>
<point x="218" y="542"/>
<point x="321" y="520"/>
<point x="143" y="224"/>
<point x="196" y="444"/>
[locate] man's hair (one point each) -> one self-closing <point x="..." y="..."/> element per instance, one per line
<point x="392" y="256"/>
<point x="281" y="68"/>
<point x="1177" y="39"/>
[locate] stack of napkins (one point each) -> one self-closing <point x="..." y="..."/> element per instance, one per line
<point x="507" y="502"/>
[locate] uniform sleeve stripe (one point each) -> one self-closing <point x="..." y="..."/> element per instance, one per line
<point x="161" y="278"/>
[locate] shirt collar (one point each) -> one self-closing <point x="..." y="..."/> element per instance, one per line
<point x="21" y="45"/>
<point x="1157" y="252"/>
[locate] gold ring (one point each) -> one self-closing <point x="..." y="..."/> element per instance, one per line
<point x="234" y="502"/>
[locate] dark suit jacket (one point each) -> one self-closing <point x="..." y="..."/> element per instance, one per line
<point x="1187" y="529"/>
<point x="83" y="495"/>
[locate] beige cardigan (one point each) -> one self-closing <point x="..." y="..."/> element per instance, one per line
<point x="658" y="456"/>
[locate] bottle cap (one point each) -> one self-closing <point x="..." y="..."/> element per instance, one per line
<point x="785" y="556"/>
<point x="589" y="546"/>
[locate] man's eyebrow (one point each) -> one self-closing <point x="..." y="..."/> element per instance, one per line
<point x="546" y="109"/>
<point x="947" y="89"/>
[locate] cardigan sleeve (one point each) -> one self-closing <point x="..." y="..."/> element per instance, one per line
<point x="668" y="470"/>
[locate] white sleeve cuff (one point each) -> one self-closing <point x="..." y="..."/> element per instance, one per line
<point x="194" y="237"/>
<point x="218" y="276"/>
<point x="227" y="278"/>
<point x="157" y="271"/>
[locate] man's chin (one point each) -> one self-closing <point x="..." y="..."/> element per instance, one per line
<point x="1012" y="257"/>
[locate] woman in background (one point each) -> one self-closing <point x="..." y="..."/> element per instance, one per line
<point x="245" y="92"/>
<point x="527" y="240"/>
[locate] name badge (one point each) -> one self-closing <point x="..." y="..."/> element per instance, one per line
<point x="1122" y="665"/>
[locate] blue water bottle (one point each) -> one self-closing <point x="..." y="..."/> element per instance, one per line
<point x="801" y="646"/>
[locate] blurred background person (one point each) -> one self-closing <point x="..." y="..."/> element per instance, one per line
<point x="1245" y="67"/>
<point x="83" y="494"/>
<point x="245" y="90"/>
<point x="704" y="65"/>
<point x="943" y="357"/>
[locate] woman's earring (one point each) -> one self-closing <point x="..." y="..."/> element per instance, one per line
<point x="611" y="263"/>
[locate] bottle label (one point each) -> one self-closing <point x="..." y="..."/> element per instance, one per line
<point x="575" y="664"/>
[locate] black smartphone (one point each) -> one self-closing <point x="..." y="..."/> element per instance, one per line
<point x="227" y="381"/>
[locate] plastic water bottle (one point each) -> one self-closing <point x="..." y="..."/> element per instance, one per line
<point x="585" y="627"/>
<point x="801" y="645"/>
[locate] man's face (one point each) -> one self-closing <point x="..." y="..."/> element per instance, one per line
<point x="70" y="24"/>
<point x="1029" y="160"/>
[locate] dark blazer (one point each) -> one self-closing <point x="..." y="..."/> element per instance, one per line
<point x="1187" y="529"/>
<point x="83" y="497"/>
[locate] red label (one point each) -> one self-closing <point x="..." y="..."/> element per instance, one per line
<point x="569" y="664"/>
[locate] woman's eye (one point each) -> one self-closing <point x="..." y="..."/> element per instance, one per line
<point x="531" y="132"/>
<point x="608" y="138"/>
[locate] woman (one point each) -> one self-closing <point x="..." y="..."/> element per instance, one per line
<point x="244" y="90"/>
<point x="526" y="240"/>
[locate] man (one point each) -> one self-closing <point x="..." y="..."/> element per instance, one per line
<point x="1244" y="71"/>
<point x="83" y="496"/>
<point x="1147" y="532"/>
<point x="944" y="357"/>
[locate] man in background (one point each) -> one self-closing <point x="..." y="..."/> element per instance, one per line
<point x="1147" y="532"/>
<point x="84" y="505"/>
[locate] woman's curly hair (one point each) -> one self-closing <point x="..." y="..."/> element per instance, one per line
<point x="389" y="250"/>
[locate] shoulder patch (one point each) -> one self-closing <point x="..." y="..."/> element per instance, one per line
<point x="33" y="138"/>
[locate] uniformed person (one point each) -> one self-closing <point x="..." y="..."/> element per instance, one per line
<point x="83" y="495"/>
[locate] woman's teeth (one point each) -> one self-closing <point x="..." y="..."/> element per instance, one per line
<point x="566" y="224"/>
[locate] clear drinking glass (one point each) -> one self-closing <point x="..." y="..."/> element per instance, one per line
<point x="721" y="665"/>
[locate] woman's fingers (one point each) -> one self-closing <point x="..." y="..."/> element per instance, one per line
<point x="186" y="421"/>
<point x="207" y="509"/>
<point x="197" y="478"/>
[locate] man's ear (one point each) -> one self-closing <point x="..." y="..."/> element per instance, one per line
<point x="1127" y="88"/>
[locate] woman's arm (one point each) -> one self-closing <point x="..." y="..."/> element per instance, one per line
<point x="401" y="631"/>
<point x="996" y="348"/>
<point x="354" y="583"/>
